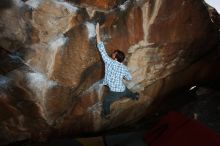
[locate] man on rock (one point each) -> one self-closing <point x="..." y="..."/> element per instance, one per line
<point x="115" y="73"/>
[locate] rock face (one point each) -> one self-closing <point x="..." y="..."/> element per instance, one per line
<point x="50" y="66"/>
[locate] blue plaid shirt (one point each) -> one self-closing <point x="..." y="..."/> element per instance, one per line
<point x="115" y="71"/>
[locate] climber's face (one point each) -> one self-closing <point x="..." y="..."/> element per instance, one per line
<point x="114" y="55"/>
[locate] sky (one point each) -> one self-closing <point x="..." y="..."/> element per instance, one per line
<point x="215" y="4"/>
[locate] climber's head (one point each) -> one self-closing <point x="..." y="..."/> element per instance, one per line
<point x="118" y="55"/>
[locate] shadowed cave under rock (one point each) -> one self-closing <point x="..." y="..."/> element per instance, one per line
<point x="50" y="68"/>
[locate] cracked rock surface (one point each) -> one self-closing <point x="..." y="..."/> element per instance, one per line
<point x="50" y="68"/>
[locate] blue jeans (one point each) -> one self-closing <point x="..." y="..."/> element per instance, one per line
<point x="113" y="96"/>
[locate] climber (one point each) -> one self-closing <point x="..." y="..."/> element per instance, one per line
<point x="115" y="72"/>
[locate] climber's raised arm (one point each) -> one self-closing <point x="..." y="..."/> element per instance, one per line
<point x="101" y="46"/>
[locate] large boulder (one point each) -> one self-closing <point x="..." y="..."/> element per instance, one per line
<point x="51" y="69"/>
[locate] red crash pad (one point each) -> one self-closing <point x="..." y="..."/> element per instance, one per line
<point x="175" y="129"/>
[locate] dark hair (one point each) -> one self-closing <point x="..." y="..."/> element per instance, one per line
<point x="120" y="56"/>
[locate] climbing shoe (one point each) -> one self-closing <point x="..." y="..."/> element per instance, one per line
<point x="137" y="96"/>
<point x="106" y="117"/>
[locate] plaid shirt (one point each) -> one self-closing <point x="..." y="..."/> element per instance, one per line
<point x="115" y="71"/>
